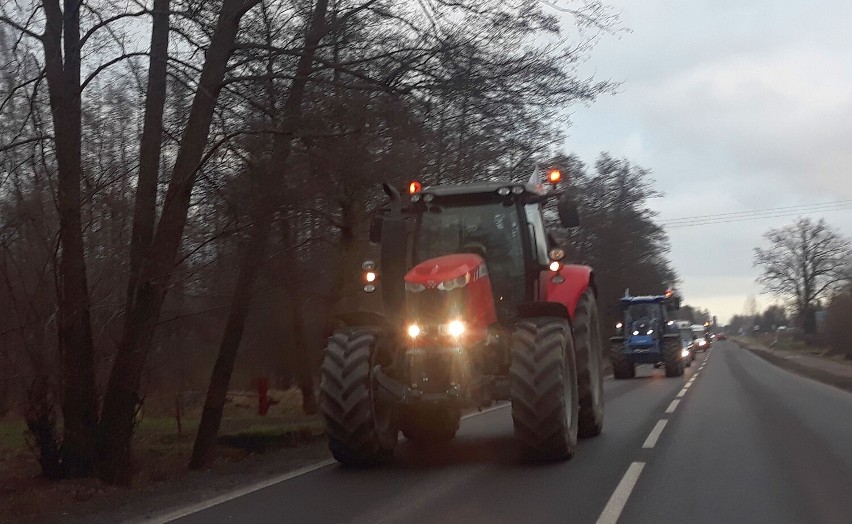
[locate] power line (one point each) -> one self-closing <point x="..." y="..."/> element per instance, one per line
<point x="711" y="219"/>
<point x="801" y="208"/>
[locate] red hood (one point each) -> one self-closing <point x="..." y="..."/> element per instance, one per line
<point x="440" y="269"/>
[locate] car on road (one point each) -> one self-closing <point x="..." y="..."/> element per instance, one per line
<point x="699" y="342"/>
<point x="721" y="336"/>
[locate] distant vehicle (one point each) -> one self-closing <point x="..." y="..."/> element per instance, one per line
<point x="685" y="331"/>
<point x="721" y="336"/>
<point x="646" y="336"/>
<point x="700" y="343"/>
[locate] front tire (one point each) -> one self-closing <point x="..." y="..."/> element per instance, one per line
<point x="672" y="359"/>
<point x="622" y="368"/>
<point x="543" y="386"/>
<point x="360" y="423"/>
<point x="589" y="351"/>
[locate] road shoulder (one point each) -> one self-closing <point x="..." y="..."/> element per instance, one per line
<point x="823" y="370"/>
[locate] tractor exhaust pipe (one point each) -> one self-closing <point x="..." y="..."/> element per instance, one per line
<point x="394" y="257"/>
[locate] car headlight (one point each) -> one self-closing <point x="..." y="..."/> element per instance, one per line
<point x="619" y="325"/>
<point x="650" y="332"/>
<point x="685" y="352"/>
<point x="635" y="332"/>
<point x="702" y="342"/>
<point x="455" y="328"/>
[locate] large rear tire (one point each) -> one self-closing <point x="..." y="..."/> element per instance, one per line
<point x="622" y="368"/>
<point x="543" y="386"/>
<point x="430" y="424"/>
<point x="671" y="357"/>
<point x="589" y="352"/>
<point x="360" y="421"/>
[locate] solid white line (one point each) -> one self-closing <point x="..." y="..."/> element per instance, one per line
<point x="654" y="435"/>
<point x="682" y="393"/>
<point x="672" y="406"/>
<point x="201" y="506"/>
<point x="488" y="410"/>
<point x="619" y="497"/>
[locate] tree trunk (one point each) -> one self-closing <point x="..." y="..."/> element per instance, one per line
<point x="208" y="430"/>
<point x="211" y="417"/>
<point x="122" y="397"/>
<point x="79" y="403"/>
<point x="144" y="210"/>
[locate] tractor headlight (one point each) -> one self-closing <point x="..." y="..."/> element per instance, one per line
<point x="449" y="285"/>
<point x="455" y="328"/>
<point x="413" y="331"/>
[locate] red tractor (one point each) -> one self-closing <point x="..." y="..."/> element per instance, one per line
<point x="477" y="306"/>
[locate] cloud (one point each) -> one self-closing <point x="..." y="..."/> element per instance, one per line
<point x="733" y="106"/>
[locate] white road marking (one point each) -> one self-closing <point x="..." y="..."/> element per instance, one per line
<point x="682" y="393"/>
<point x="484" y="411"/>
<point x="237" y="493"/>
<point x="686" y="386"/>
<point x="619" y="497"/>
<point x="654" y="435"/>
<point x="695" y="374"/>
<point x="672" y="406"/>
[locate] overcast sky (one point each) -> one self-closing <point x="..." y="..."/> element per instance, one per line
<point x="734" y="106"/>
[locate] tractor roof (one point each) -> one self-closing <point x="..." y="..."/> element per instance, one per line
<point x="648" y="299"/>
<point x="482" y="188"/>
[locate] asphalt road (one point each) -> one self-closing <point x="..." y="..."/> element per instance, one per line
<point x="738" y="441"/>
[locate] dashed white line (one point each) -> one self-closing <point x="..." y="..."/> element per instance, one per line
<point x="682" y="393"/>
<point x="619" y="497"/>
<point x="695" y="374"/>
<point x="672" y="406"/>
<point x="654" y="435"/>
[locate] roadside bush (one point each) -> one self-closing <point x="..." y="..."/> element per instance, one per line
<point x="836" y="323"/>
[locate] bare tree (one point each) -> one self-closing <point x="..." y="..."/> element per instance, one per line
<point x="805" y="262"/>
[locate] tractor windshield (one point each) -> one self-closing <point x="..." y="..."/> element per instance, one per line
<point x="642" y="315"/>
<point x="491" y="230"/>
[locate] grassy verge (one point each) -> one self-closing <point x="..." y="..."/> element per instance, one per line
<point x="161" y="453"/>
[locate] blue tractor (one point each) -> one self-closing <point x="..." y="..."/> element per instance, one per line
<point x="647" y="336"/>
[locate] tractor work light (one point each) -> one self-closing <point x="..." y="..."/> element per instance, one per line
<point x="414" y="187"/>
<point x="413" y="331"/>
<point x="455" y="328"/>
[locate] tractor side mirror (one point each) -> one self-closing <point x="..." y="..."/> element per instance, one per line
<point x="376" y="228"/>
<point x="569" y="216"/>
